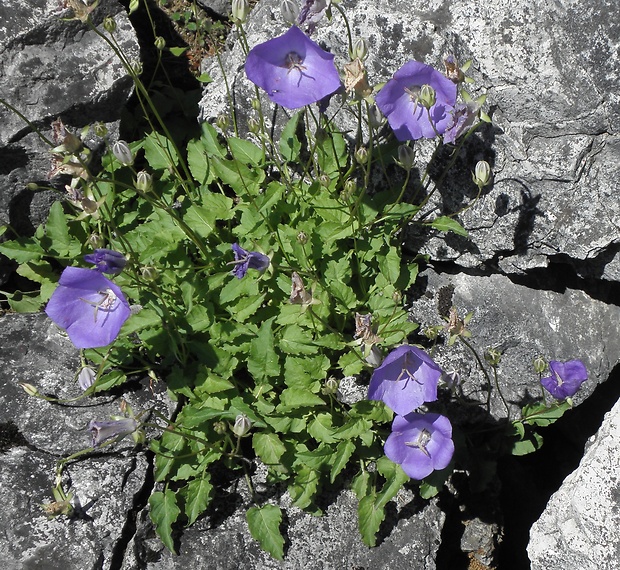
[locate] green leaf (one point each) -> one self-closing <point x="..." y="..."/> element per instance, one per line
<point x="321" y="428"/>
<point x="263" y="361"/>
<point x="164" y="512"/>
<point x="370" y="516"/>
<point x="445" y="224"/>
<point x="57" y="230"/>
<point x="197" y="494"/>
<point x="292" y="398"/>
<point x="543" y="415"/>
<point x="264" y="524"/>
<point x="159" y="152"/>
<point x="344" y="451"/>
<point x="395" y="479"/>
<point x="177" y="51"/>
<point x="246" y="151"/>
<point x="289" y="143"/>
<point x="22" y="250"/>
<point x="268" y="447"/>
<point x="304" y="487"/>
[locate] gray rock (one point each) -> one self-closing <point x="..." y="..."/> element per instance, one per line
<point x="579" y="527"/>
<point x="52" y="68"/>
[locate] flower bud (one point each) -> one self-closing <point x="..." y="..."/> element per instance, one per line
<point x="144" y="181"/>
<point x="136" y="67"/>
<point x="361" y="155"/>
<point x="149" y="273"/>
<point x="89" y="206"/>
<point x="360" y="49"/>
<point x="427" y="96"/>
<point x="540" y="365"/>
<point x="325" y="180"/>
<point x="122" y="152"/>
<point x="29" y="389"/>
<point x="350" y="186"/>
<point x="331" y="386"/>
<point x="256" y="104"/>
<point x="86" y="377"/>
<point x="220" y="428"/>
<point x="289" y="11"/>
<point x="302" y="237"/>
<point x="374" y="357"/>
<point x="109" y="24"/>
<point x="160" y="43"/>
<point x="222" y="121"/>
<point x="242" y="426"/>
<point x="406" y="157"/>
<point x="240" y="11"/>
<point x="493" y="356"/>
<point x="95" y="241"/>
<point x="482" y="174"/>
<point x="253" y="126"/>
<point x="100" y="129"/>
<point x="375" y="118"/>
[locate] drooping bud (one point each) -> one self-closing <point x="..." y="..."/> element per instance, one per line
<point x="289" y="11"/>
<point x="149" y="273"/>
<point x="220" y="428"/>
<point x="29" y="389"/>
<point x="222" y="121"/>
<point x="331" y="386"/>
<point x="375" y="118"/>
<point x="493" y="356"/>
<point x="253" y="126"/>
<point x="360" y="49"/>
<point x="361" y="155"/>
<point x="406" y="157"/>
<point x="350" y="186"/>
<point x="240" y="11"/>
<point x="482" y="174"/>
<point x="109" y="24"/>
<point x="160" y="43"/>
<point x="122" y="152"/>
<point x="144" y="181"/>
<point x="242" y="426"/>
<point x="86" y="377"/>
<point x="540" y="365"/>
<point x="325" y="180"/>
<point x="427" y="96"/>
<point x="302" y="238"/>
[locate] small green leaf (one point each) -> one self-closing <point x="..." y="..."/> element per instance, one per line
<point x="445" y="224"/>
<point x="246" y="151"/>
<point x="177" y="51"/>
<point x="268" y="447"/>
<point x="164" y="512"/>
<point x="159" y="152"/>
<point x="370" y="516"/>
<point x="263" y="361"/>
<point x="197" y="495"/>
<point x="289" y="143"/>
<point x="343" y="453"/>
<point x="264" y="524"/>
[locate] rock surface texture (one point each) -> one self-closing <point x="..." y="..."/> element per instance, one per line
<point x="539" y="270"/>
<point x="579" y="528"/>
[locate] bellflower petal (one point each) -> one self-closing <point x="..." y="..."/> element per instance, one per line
<point x="398" y="101"/>
<point x="406" y="379"/>
<point x="292" y="69"/>
<point x="88" y="306"/>
<point x="245" y="260"/>
<point x="107" y="261"/>
<point x="103" y="431"/>
<point x="462" y="116"/>
<point x="420" y="443"/>
<point x="566" y="378"/>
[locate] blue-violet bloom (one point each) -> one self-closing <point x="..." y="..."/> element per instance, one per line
<point x="292" y="69"/>
<point x="88" y="306"/>
<point x="462" y="116"/>
<point x="107" y="261"/>
<point x="311" y="13"/>
<point x="566" y="378"/>
<point x="420" y="443"/>
<point x="398" y="101"/>
<point x="406" y="379"/>
<point x="245" y="260"/>
<point x="103" y="431"/>
<point x="86" y="377"/>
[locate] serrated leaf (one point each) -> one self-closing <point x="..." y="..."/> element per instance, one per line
<point x="246" y="151"/>
<point x="268" y="447"/>
<point x="197" y="495"/>
<point x="445" y="224"/>
<point x="289" y="143"/>
<point x="321" y="429"/>
<point x="304" y="487"/>
<point x="370" y="516"/>
<point x="159" y="151"/>
<point x="22" y="250"/>
<point x="263" y="361"/>
<point x="292" y="398"/>
<point x="264" y="524"/>
<point x="164" y="512"/>
<point x="343" y="453"/>
<point x="57" y="231"/>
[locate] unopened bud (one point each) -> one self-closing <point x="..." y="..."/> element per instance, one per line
<point x="29" y="389"/>
<point x="325" y="180"/>
<point x="302" y="237"/>
<point x="240" y="11"/>
<point x="86" y="377"/>
<point x="253" y="125"/>
<point x="109" y="24"/>
<point x="375" y="118"/>
<point x="540" y="365"/>
<point x="331" y="386"/>
<point x="100" y="129"/>
<point x="289" y="11"/>
<point x="95" y="241"/>
<point x="242" y="426"/>
<point x="374" y="357"/>
<point x="160" y="43"/>
<point x="144" y="181"/>
<point x="406" y="157"/>
<point x="220" y="428"/>
<point x="122" y="152"/>
<point x="256" y="104"/>
<point x="149" y="273"/>
<point x="360" y="49"/>
<point x="136" y="68"/>
<point x="493" y="356"/>
<point x="427" y="96"/>
<point x="482" y="174"/>
<point x="89" y="206"/>
<point x="222" y="122"/>
<point x="350" y="186"/>
<point x="361" y="155"/>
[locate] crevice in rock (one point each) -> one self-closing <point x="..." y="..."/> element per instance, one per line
<point x="140" y="501"/>
<point x="529" y="481"/>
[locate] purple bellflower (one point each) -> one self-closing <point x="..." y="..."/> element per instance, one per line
<point x="311" y="13"/>
<point x="88" y="306"/>
<point x="107" y="261"/>
<point x="103" y="431"/>
<point x="566" y="378"/>
<point x="462" y="116"/>
<point x="293" y="70"/>
<point x="406" y="379"/>
<point x="245" y="260"/>
<point x="399" y="102"/>
<point x="420" y="443"/>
